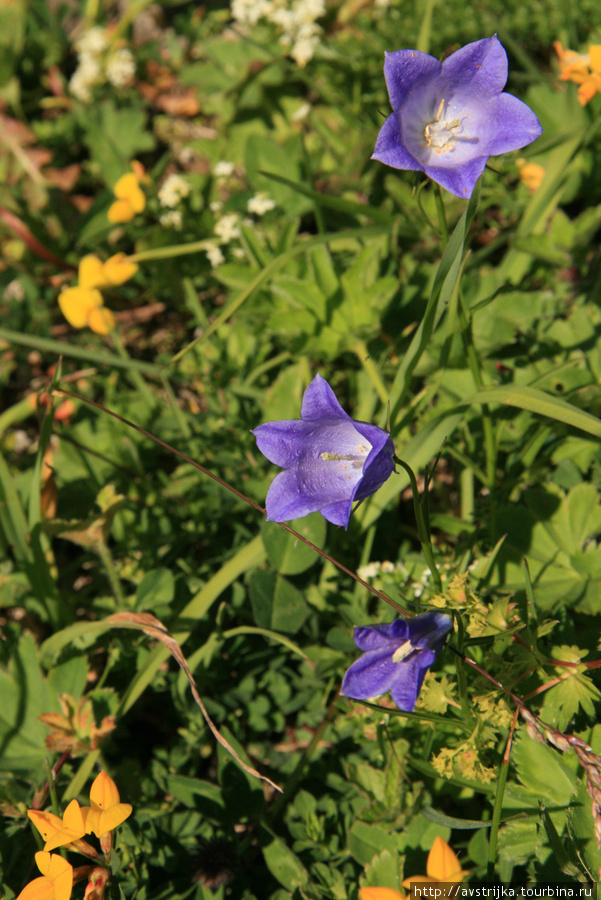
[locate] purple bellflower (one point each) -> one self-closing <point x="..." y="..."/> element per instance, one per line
<point x="450" y="117"/>
<point x="396" y="658"/>
<point x="331" y="461"/>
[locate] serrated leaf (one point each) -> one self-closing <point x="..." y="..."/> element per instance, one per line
<point x="543" y="772"/>
<point x="581" y="828"/>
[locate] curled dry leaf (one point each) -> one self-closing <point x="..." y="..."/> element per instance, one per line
<point x="153" y="628"/>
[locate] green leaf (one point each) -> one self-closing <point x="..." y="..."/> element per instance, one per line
<point x="582" y="830"/>
<point x="157" y="587"/>
<point x="25" y="696"/>
<point x="366" y="841"/>
<point x="383" y="871"/>
<point x="533" y="400"/>
<point x="285" y="552"/>
<point x="263" y="156"/>
<point x="283" y="864"/>
<point x="440" y="818"/>
<point x="276" y="603"/>
<point x="543" y="772"/>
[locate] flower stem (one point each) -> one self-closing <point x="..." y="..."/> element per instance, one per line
<point x="422" y="529"/>
<point x="487" y="423"/>
<point x="442" y="218"/>
<point x="498" y="807"/>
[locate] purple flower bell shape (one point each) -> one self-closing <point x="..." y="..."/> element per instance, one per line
<point x="331" y="461"/>
<point x="396" y="658"/>
<point x="450" y="117"/>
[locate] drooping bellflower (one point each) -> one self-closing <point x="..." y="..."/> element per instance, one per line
<point x="396" y="658"/>
<point x="450" y="117"/>
<point x="331" y="460"/>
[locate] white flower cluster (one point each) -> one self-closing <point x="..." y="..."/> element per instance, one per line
<point x="94" y="67"/>
<point x="173" y="189"/>
<point x="373" y="569"/>
<point x="227" y="229"/>
<point x="214" y="254"/>
<point x="171" y="219"/>
<point x="295" y="19"/>
<point x="260" y="204"/>
<point x="223" y="169"/>
<point x="120" y="67"/>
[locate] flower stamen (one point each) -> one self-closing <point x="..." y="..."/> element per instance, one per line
<point x="402" y="652"/>
<point x="441" y="134"/>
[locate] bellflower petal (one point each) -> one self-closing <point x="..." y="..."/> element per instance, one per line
<point x="331" y="461"/>
<point x="396" y="658"/>
<point x="449" y="118"/>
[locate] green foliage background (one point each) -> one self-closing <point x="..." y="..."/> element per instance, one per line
<point x="496" y="353"/>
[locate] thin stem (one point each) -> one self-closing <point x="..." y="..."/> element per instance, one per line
<point x="442" y="217"/>
<point x="498" y="807"/>
<point x="237" y="493"/>
<point x="476" y="370"/>
<point x="422" y="530"/>
<point x="107" y="560"/>
<point x="134" y="9"/>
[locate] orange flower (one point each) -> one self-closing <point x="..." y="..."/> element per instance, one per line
<point x="106" y="811"/>
<point x="583" y="69"/>
<point x="56" y="881"/>
<point x="59" y="832"/>
<point x="442" y="866"/>
<point x="130" y="199"/>
<point x="531" y="174"/>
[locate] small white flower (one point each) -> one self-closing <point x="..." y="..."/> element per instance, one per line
<point x="214" y="254"/>
<point x="86" y="76"/>
<point x="381" y="4"/>
<point x="227" y="228"/>
<point x="93" y="42"/>
<point x="215" y="206"/>
<point x="368" y="571"/>
<point x="238" y="252"/>
<point x="223" y="169"/>
<point x="260" y="204"/>
<point x="120" y="67"/>
<point x="248" y="12"/>
<point x="309" y="10"/>
<point x="14" y="290"/>
<point x="171" y="219"/>
<point x="387" y="567"/>
<point x="304" y="50"/>
<point x="172" y="190"/>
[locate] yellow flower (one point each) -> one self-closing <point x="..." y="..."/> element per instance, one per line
<point x="55" y="882"/>
<point x="59" y="832"/>
<point x="83" y="306"/>
<point x="583" y="69"/>
<point x="118" y="269"/>
<point x="106" y="811"/>
<point x="442" y="866"/>
<point x="531" y="174"/>
<point x="90" y="273"/>
<point x="130" y="199"/>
